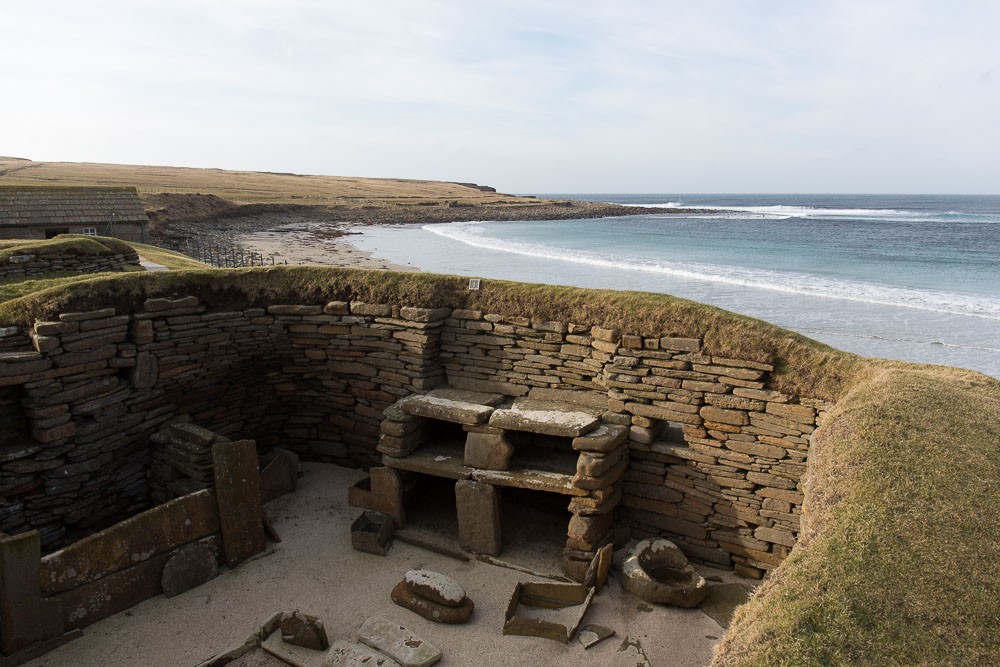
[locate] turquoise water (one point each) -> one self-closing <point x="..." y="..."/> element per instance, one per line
<point x="905" y="277"/>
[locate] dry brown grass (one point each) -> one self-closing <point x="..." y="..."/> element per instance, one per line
<point x="240" y="186"/>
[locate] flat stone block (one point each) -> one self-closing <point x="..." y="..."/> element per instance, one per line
<point x="403" y="645"/>
<point x="604" y="438"/>
<point x="545" y="417"/>
<point x="404" y="596"/>
<point x="478" y="507"/>
<point x="446" y="409"/>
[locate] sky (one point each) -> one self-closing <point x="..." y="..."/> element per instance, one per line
<point x="857" y="96"/>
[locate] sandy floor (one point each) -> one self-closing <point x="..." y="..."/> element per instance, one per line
<point x="315" y="570"/>
<point x="314" y="243"/>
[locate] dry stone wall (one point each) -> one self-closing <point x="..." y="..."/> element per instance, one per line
<point x="716" y="458"/>
<point x="34" y="264"/>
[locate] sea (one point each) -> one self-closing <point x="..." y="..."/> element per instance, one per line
<point x="909" y="277"/>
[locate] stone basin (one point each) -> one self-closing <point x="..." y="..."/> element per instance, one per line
<point x="657" y="571"/>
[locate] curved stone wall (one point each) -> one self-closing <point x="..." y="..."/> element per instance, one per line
<point x="715" y="456"/>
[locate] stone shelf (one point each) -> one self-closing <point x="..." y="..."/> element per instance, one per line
<point x="445" y="460"/>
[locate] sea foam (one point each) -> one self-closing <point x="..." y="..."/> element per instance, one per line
<point x="472" y="234"/>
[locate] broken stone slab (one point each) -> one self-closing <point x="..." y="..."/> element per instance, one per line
<point x="545" y="417"/>
<point x="630" y="654"/>
<point x="303" y="630"/>
<point x="593" y="634"/>
<point x="192" y="566"/>
<point x="656" y="570"/>
<point x="604" y="438"/>
<point x="597" y="573"/>
<point x="405" y="597"/>
<point x="344" y="653"/>
<point x="399" y="643"/>
<point x="435" y="586"/>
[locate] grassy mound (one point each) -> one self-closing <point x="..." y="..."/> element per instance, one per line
<point x="66" y="244"/>
<point x="897" y="561"/>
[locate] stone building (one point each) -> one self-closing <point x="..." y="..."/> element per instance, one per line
<point x="42" y="212"/>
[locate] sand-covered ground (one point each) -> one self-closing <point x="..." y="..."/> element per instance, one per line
<point x="314" y="569"/>
<point x="315" y="243"/>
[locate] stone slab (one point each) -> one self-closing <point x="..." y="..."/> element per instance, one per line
<point x="343" y="653"/>
<point x="237" y="488"/>
<point x="404" y="596"/>
<point x="387" y="494"/>
<point x="534" y="480"/>
<point x="25" y="618"/>
<point x="109" y="595"/>
<point x="155" y="531"/>
<point x="429" y="460"/>
<point x="545" y="417"/>
<point x="446" y="409"/>
<point x="435" y="586"/>
<point x="403" y="645"/>
<point x="478" y="509"/>
<point x="492" y="399"/>
<point x="190" y="567"/>
<point x="604" y="438"/>
<point x="593" y="634"/>
<point x="488" y="450"/>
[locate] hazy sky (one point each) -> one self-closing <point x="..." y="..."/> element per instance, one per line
<point x="533" y="96"/>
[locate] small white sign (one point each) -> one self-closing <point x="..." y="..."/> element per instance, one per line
<point x="474" y="283"/>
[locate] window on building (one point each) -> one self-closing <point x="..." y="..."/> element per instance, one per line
<point x="90" y="231"/>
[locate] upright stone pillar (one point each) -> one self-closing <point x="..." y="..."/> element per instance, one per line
<point x="387" y="494"/>
<point x="25" y="617"/>
<point x="478" y="517"/>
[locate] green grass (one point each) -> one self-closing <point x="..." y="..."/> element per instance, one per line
<point x="16" y="287"/>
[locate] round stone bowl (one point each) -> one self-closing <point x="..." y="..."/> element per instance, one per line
<point x="657" y="571"/>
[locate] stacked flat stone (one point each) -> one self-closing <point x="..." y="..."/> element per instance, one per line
<point x="434" y="596"/>
<point x="181" y="460"/>
<point x="716" y="457"/>
<point x="30" y="264"/>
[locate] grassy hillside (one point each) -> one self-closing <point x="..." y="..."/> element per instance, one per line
<point x="242" y="187"/>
